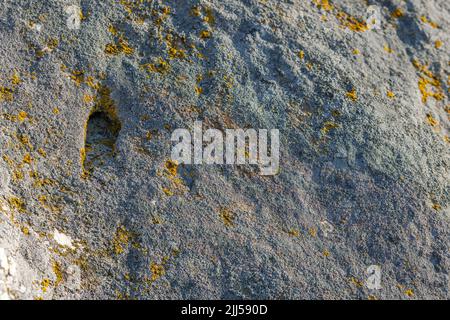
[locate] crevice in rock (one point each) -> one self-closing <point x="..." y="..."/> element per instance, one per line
<point x="101" y="132"/>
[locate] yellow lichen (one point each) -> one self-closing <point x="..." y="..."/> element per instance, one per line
<point x="397" y="13"/>
<point x="168" y="192"/>
<point x="323" y="4"/>
<point x="15" y="79"/>
<point x="409" y="293"/>
<point x="6" y="94"/>
<point x="390" y="94"/>
<point x="356" y="282"/>
<point x="198" y="90"/>
<point x="157" y="220"/>
<point x="84" y="173"/>
<point x="388" y="49"/>
<point x="433" y="122"/>
<point x="175" y="53"/>
<point x="227" y="217"/>
<point x="157" y="271"/>
<point x="423" y="83"/>
<point x="209" y="16"/>
<point x="432" y="24"/>
<point x="229" y="81"/>
<point x="52" y="43"/>
<point x="22" y="116"/>
<point x="112" y="49"/>
<point x="161" y="66"/>
<point x="350" y="22"/>
<point x="42" y="200"/>
<point x="87" y="98"/>
<point x="436" y="206"/>
<point x="171" y="167"/>
<point x="205" y="34"/>
<point x="16" y="204"/>
<point x="25" y="230"/>
<point x="165" y="10"/>
<point x="426" y="79"/>
<point x="40" y="182"/>
<point x="352" y="95"/>
<point x="45" y="284"/>
<point x="122" y="46"/>
<point x="113" y="30"/>
<point x="196" y="11"/>
<point x="25" y="140"/>
<point x="125" y="47"/>
<point x="27" y="159"/>
<point x="327" y="126"/>
<point x="121" y="240"/>
<point x="17" y="175"/>
<point x="90" y="82"/>
<point x="58" y="273"/>
<point x="77" y="76"/>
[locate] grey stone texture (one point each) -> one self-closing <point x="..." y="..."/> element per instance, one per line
<point x="92" y="208"/>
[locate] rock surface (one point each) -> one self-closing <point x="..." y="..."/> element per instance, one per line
<point x="91" y="90"/>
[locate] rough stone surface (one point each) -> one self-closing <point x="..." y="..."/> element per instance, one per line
<point x="364" y="120"/>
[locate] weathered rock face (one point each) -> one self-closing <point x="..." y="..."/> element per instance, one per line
<point x="91" y="206"/>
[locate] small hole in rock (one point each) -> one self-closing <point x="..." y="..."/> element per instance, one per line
<point x="101" y="137"/>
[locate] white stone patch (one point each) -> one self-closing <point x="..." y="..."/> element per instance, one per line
<point x="4" y="178"/>
<point x="74" y="277"/>
<point x="74" y="17"/>
<point x="36" y="26"/>
<point x="4" y="271"/>
<point x="4" y="296"/>
<point x="47" y="50"/>
<point x="326" y="227"/>
<point x="373" y="20"/>
<point x="63" y="239"/>
<point x="12" y="267"/>
<point x="4" y="264"/>
<point x="4" y="206"/>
